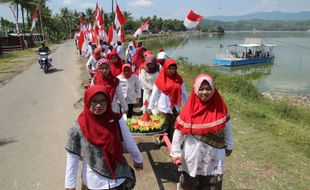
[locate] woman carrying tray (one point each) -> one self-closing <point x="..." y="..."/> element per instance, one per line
<point x="149" y="72"/>
<point x="167" y="94"/>
<point x="202" y="138"/>
<point x="95" y="139"/>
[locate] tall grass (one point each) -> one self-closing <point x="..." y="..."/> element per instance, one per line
<point x="277" y="132"/>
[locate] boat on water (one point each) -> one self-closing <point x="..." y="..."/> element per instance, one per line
<point x="253" y="51"/>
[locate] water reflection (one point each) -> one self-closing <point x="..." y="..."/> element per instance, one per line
<point x="252" y="72"/>
<point x="289" y="73"/>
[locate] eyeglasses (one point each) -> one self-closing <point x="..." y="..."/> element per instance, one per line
<point x="96" y="102"/>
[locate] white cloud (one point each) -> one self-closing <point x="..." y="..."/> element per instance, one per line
<point x="140" y="3"/>
<point x="88" y="5"/>
<point x="66" y="2"/>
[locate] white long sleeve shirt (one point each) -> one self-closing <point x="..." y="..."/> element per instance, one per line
<point x="92" y="179"/>
<point x="147" y="80"/>
<point x="91" y="64"/>
<point x="119" y="99"/>
<point x="131" y="88"/>
<point x="199" y="158"/>
<point x="162" y="102"/>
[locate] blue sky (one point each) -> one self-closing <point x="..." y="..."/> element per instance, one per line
<point x="179" y="8"/>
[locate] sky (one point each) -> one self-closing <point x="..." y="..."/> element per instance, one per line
<point x="177" y="9"/>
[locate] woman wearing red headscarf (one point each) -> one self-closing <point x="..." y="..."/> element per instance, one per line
<point x="95" y="139"/>
<point x="91" y="64"/>
<point x="104" y="77"/>
<point x="168" y="93"/>
<point x="130" y="85"/>
<point x="202" y="138"/>
<point x="116" y="63"/>
<point x="138" y="59"/>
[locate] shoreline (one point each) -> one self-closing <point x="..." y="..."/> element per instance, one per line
<point x="302" y="101"/>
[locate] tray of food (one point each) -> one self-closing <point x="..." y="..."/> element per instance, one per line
<point x="146" y="125"/>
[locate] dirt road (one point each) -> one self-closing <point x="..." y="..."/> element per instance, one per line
<point x="36" y="110"/>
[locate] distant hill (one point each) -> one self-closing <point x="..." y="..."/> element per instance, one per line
<point x="275" y="15"/>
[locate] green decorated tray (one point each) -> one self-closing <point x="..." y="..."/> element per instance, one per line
<point x="146" y="125"/>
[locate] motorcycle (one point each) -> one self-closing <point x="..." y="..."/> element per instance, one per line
<point x="44" y="61"/>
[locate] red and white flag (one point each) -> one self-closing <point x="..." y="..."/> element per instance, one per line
<point x="120" y="19"/>
<point x="143" y="27"/>
<point x="192" y="19"/>
<point x="82" y="28"/>
<point x="112" y="35"/>
<point x="121" y="35"/>
<point x="101" y="19"/>
<point x="34" y="18"/>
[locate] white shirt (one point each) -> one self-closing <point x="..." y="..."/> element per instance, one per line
<point x="92" y="179"/>
<point x="163" y="101"/>
<point x="147" y="80"/>
<point x="131" y="88"/>
<point x="91" y="63"/>
<point x="119" y="99"/>
<point x="198" y="158"/>
<point x="120" y="51"/>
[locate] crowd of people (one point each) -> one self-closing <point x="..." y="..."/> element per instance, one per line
<point x="200" y="132"/>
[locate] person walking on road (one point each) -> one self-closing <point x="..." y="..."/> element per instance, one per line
<point x="167" y="94"/>
<point x="202" y="137"/>
<point x="95" y="139"/>
<point x="131" y="87"/>
<point x="104" y="77"/>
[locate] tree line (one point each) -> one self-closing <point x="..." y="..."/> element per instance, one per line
<point x="63" y="24"/>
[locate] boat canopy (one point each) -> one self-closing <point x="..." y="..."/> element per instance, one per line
<point x="248" y="45"/>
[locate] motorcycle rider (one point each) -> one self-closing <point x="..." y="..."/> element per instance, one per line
<point x="44" y="49"/>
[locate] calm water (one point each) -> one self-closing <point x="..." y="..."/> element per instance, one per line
<point x="290" y="71"/>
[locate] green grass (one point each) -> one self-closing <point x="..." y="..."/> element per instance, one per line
<point x="11" y="60"/>
<point x="272" y="141"/>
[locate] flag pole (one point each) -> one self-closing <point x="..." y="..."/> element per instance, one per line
<point x="42" y="33"/>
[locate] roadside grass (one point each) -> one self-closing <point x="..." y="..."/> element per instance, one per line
<point x="9" y="61"/>
<point x="272" y="141"/>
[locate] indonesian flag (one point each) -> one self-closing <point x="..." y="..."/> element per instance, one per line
<point x="121" y="35"/>
<point x="34" y="18"/>
<point x="192" y="19"/>
<point x="143" y="27"/>
<point x="112" y="35"/>
<point x="103" y="35"/>
<point x="96" y="12"/>
<point x="101" y="20"/>
<point x="120" y="19"/>
<point x="89" y="28"/>
<point x="81" y="40"/>
<point x="81" y="23"/>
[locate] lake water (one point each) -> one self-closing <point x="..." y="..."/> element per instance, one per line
<point x="290" y="71"/>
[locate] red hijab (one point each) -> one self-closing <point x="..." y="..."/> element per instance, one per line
<point x="116" y="68"/>
<point x="109" y="82"/>
<point x="138" y="59"/>
<point x="198" y="117"/>
<point x="170" y="85"/>
<point x="130" y="71"/>
<point x="102" y="131"/>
